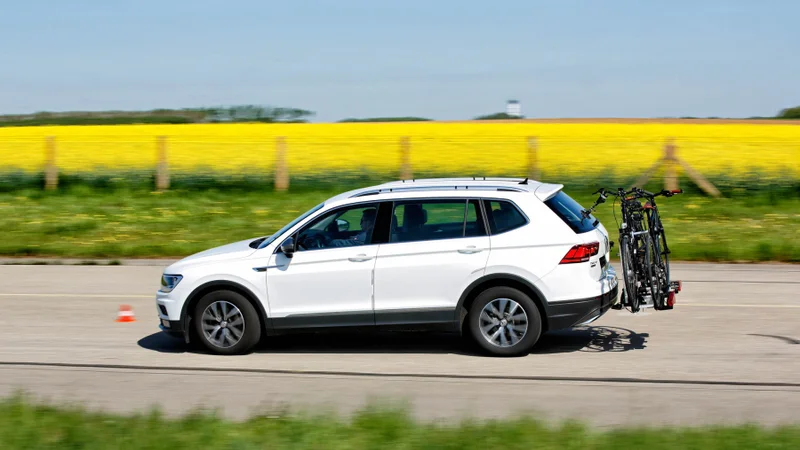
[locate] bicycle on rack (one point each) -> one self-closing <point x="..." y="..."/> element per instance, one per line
<point x="643" y="249"/>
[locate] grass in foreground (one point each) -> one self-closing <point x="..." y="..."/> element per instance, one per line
<point x="24" y="425"/>
<point x="83" y="222"/>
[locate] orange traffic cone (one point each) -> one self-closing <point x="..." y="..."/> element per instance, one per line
<point x="125" y="314"/>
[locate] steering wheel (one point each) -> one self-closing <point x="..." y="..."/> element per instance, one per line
<point x="313" y="239"/>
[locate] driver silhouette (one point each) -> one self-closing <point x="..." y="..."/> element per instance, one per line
<point x="367" y="224"/>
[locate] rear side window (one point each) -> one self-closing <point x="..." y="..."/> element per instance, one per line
<point x="570" y="212"/>
<point x="429" y="220"/>
<point x="503" y="216"/>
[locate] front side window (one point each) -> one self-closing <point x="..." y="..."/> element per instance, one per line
<point x="344" y="227"/>
<point x="424" y="220"/>
<point x="503" y="216"/>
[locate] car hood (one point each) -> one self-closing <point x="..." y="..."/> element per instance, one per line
<point x="226" y="252"/>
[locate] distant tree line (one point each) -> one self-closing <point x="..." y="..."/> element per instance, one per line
<point x="238" y="113"/>
<point x="790" y="113"/>
<point x="386" y="119"/>
<point x="498" y="116"/>
<point x="231" y="114"/>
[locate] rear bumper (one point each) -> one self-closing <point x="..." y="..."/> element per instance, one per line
<point x="571" y="313"/>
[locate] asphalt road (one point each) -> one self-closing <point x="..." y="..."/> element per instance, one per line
<point x="728" y="353"/>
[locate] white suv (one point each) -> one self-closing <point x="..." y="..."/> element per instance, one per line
<point x="502" y="260"/>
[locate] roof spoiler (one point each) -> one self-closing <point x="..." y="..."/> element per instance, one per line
<point x="547" y="191"/>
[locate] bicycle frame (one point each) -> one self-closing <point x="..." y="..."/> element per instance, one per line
<point x="645" y="262"/>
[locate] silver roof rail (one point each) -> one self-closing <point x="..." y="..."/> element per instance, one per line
<point x="412" y="188"/>
<point x="457" y="179"/>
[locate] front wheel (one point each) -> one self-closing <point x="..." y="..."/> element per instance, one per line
<point x="629" y="273"/>
<point x="650" y="272"/>
<point x="661" y="251"/>
<point x="660" y="274"/>
<point x="662" y="238"/>
<point x="504" y="321"/>
<point x="227" y="323"/>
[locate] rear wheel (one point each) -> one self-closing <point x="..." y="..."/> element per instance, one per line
<point x="227" y="323"/>
<point x="504" y="321"/>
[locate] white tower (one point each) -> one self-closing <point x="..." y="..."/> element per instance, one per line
<point x="514" y="108"/>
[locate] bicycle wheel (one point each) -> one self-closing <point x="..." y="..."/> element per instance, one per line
<point x="664" y="252"/>
<point x="659" y="273"/>
<point x="654" y="272"/>
<point x="629" y="273"/>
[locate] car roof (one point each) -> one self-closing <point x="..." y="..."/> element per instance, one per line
<point x="434" y="186"/>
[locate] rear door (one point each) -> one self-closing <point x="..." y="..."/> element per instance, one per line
<point x="436" y="248"/>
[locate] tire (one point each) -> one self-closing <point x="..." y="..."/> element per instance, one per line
<point x="505" y="345"/>
<point x="651" y="277"/>
<point x="661" y="256"/>
<point x="662" y="246"/>
<point x="659" y="272"/>
<point x="217" y="303"/>
<point x="629" y="273"/>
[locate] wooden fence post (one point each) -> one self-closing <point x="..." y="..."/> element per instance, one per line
<point x="670" y="161"/>
<point x="50" y="168"/>
<point x="281" y="165"/>
<point x="162" y="168"/>
<point x="405" y="159"/>
<point x="533" y="159"/>
<point x="670" y="169"/>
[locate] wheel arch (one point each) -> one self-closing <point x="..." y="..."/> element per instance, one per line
<point x="211" y="286"/>
<point x="500" y="279"/>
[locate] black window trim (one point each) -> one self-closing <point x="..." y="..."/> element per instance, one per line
<point x="310" y="220"/>
<point x="485" y="200"/>
<point x="393" y="203"/>
<point x="383" y="215"/>
<point x="480" y="219"/>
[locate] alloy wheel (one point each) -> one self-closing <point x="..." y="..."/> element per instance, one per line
<point x="223" y="324"/>
<point x="503" y="322"/>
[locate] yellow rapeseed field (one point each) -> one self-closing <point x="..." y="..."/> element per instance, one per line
<point x="469" y="148"/>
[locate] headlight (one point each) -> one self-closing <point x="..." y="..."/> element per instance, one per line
<point x="168" y="282"/>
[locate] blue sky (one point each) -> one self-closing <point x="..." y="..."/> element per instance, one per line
<point x="439" y="59"/>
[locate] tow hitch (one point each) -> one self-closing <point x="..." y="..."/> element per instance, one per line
<point x="674" y="288"/>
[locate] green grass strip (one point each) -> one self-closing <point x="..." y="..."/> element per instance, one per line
<point x="25" y="425"/>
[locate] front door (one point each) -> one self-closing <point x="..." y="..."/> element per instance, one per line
<point x="328" y="280"/>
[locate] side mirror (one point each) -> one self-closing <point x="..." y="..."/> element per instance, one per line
<point x="287" y="247"/>
<point x="342" y="224"/>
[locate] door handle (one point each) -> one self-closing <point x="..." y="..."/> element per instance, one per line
<point x="360" y="258"/>
<point x="469" y="250"/>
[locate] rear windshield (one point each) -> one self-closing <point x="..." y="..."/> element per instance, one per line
<point x="570" y="212"/>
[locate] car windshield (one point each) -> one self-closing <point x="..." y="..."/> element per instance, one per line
<point x="278" y="233"/>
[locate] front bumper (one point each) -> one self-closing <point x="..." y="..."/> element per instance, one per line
<point x="571" y="313"/>
<point x="169" y="314"/>
<point x="174" y="327"/>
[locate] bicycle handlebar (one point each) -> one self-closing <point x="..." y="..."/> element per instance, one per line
<point x="639" y="193"/>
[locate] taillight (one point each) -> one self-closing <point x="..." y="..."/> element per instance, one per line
<point x="581" y="253"/>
